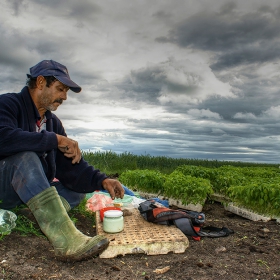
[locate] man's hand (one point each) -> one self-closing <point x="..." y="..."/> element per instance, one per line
<point x="69" y="148"/>
<point x="114" y="187"/>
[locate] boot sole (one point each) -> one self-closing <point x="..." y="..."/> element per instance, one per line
<point x="94" y="251"/>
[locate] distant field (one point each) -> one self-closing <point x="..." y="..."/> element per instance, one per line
<point x="110" y="162"/>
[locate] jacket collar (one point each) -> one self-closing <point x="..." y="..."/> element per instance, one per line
<point x="31" y="109"/>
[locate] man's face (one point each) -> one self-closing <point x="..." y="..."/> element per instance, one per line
<point x="51" y="97"/>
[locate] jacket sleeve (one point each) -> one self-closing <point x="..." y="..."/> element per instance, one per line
<point x="15" y="132"/>
<point x="80" y="177"/>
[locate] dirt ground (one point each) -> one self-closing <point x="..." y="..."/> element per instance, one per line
<point x="252" y="252"/>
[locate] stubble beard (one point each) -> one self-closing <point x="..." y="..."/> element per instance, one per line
<point x="48" y="104"/>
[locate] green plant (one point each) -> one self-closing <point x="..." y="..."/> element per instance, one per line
<point x="81" y="209"/>
<point x="226" y="176"/>
<point x="261" y="262"/>
<point x="112" y="163"/>
<point x="258" y="195"/>
<point x="25" y="226"/>
<point x="196" y="171"/>
<point x="187" y="188"/>
<point x="261" y="172"/>
<point x="143" y="180"/>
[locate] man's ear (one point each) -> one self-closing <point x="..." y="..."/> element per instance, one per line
<point x="40" y="82"/>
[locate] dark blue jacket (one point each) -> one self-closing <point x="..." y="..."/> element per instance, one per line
<point x="18" y="116"/>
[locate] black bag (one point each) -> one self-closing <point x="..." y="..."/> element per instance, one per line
<point x="189" y="222"/>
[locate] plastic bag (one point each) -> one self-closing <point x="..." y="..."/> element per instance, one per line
<point x="98" y="201"/>
<point x="7" y="221"/>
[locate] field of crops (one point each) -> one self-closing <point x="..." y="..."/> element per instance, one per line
<point x="111" y="163"/>
<point x="250" y="185"/>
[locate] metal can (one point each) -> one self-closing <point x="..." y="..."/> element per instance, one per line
<point x="113" y="221"/>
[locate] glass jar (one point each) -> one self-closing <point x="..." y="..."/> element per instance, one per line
<point x="113" y="221"/>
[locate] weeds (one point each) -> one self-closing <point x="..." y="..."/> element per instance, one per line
<point x="261" y="262"/>
<point x="26" y="227"/>
<point x="81" y="209"/>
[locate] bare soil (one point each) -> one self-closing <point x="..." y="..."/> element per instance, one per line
<point x="252" y="252"/>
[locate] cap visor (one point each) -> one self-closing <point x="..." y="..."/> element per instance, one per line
<point x="73" y="86"/>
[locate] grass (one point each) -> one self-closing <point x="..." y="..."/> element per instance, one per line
<point x="81" y="209"/>
<point x="26" y="227"/>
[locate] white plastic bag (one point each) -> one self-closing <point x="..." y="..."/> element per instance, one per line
<point x="7" y="221"/>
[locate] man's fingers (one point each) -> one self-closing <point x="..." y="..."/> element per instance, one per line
<point x="118" y="193"/>
<point x="114" y="188"/>
<point x="77" y="159"/>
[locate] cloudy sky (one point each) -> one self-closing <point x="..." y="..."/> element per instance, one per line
<point x="193" y="79"/>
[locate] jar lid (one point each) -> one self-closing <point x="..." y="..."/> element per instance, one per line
<point x="113" y="213"/>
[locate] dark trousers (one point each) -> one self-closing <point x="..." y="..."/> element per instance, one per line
<point x="22" y="177"/>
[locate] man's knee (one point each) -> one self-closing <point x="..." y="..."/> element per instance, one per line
<point x="28" y="156"/>
<point x="21" y="159"/>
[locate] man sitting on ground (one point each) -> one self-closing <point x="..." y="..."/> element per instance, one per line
<point x="34" y="149"/>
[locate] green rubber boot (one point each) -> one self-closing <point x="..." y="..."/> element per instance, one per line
<point x="69" y="243"/>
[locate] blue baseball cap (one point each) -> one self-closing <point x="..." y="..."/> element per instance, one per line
<point x="55" y="69"/>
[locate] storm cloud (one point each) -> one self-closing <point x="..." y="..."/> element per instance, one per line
<point x="195" y="79"/>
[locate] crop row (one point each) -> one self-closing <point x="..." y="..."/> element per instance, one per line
<point x="255" y="188"/>
<point x="251" y="185"/>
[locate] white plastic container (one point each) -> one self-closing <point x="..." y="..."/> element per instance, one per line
<point x="113" y="221"/>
